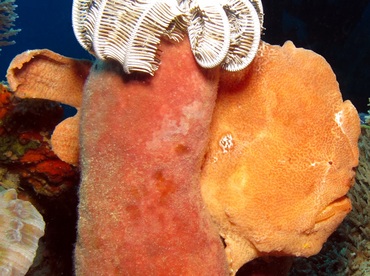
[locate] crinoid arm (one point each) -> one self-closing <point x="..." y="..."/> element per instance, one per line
<point x="126" y="31"/>
<point x="209" y="32"/>
<point x="245" y="32"/>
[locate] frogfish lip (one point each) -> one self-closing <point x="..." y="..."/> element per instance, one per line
<point x="340" y="205"/>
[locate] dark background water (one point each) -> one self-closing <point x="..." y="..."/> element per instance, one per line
<point x="337" y="29"/>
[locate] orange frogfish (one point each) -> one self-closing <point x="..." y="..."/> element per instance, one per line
<point x="282" y="156"/>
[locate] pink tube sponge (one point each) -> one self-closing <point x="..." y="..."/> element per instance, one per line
<point x="142" y="146"/>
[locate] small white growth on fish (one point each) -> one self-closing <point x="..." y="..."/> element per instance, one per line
<point x="339" y="118"/>
<point x="226" y="143"/>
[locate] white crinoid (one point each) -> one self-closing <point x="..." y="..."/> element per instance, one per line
<point x="221" y="32"/>
<point x="209" y="32"/>
<point x="128" y="31"/>
<point x="225" y="32"/>
<point x="245" y="32"/>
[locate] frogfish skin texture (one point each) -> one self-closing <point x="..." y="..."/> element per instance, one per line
<point x="142" y="147"/>
<point x="282" y="156"/>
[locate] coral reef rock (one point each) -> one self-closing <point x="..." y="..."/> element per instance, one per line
<point x="359" y="220"/>
<point x="26" y="157"/>
<point x="21" y="226"/>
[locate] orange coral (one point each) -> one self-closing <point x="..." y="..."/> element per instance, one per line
<point x="281" y="157"/>
<point x="47" y="75"/>
<point x="4" y="101"/>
